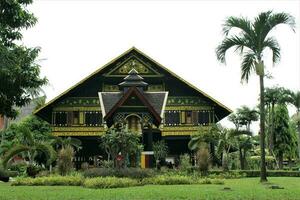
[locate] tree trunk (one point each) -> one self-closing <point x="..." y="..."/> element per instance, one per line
<point x="280" y="160"/>
<point x="263" y="170"/>
<point x="272" y="128"/>
<point x="241" y="159"/>
<point x="224" y="161"/>
<point x="244" y="159"/>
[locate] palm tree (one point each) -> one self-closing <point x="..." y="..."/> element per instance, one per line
<point x="225" y="145"/>
<point x="251" y="42"/>
<point x="247" y="116"/>
<point x="30" y="147"/>
<point x="295" y="101"/>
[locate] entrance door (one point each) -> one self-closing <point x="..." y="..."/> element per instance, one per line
<point x="134" y="123"/>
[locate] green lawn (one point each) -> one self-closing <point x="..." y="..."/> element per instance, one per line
<point x="245" y="189"/>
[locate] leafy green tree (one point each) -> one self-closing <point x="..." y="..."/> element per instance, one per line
<point x="273" y="97"/>
<point x="251" y="42"/>
<point x="160" y="151"/>
<point x="204" y="135"/>
<point x="295" y="101"/>
<point x="226" y="143"/>
<point x="14" y="135"/>
<point x="283" y="137"/>
<point x="120" y="142"/>
<point x="244" y="143"/>
<point x="19" y="72"/>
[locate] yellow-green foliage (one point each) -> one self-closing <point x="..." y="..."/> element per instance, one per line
<point x="113" y="182"/>
<point x="180" y="180"/>
<point x="50" y="180"/>
<point x="168" y="180"/>
<point x="110" y="182"/>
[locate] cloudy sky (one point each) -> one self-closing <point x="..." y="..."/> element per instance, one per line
<point x="78" y="37"/>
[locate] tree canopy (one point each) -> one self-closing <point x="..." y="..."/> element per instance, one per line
<point x="19" y="71"/>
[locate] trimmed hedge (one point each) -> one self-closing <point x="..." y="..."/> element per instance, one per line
<point x="179" y="180"/>
<point x="281" y="173"/>
<point x="110" y="182"/>
<point x="251" y="173"/>
<point x="50" y="181"/>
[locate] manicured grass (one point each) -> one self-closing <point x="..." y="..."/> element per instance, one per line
<point x="245" y="189"/>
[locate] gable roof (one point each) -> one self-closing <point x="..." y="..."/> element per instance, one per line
<point x="38" y="112"/>
<point x="110" y="108"/>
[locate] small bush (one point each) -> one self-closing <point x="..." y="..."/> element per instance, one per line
<point x="50" y="181"/>
<point x="135" y="173"/>
<point x="110" y="182"/>
<point x="19" y="166"/>
<point x="64" y="163"/>
<point x="33" y="170"/>
<point x="43" y="173"/>
<point x="98" y="172"/>
<point x="185" y="164"/>
<point x="168" y="180"/>
<point x="281" y="173"/>
<point x="217" y="174"/>
<point x="203" y="159"/>
<point x="254" y="162"/>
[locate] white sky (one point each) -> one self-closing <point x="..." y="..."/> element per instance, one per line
<point x="78" y="37"/>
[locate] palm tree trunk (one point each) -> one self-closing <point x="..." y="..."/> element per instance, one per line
<point x="280" y="160"/>
<point x="263" y="170"/>
<point x="224" y="161"/>
<point x="241" y="159"/>
<point x="272" y="128"/>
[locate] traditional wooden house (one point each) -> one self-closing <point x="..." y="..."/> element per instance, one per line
<point x="138" y="91"/>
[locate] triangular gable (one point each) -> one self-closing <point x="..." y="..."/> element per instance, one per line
<point x="133" y="62"/>
<point x="133" y="91"/>
<point x="102" y="70"/>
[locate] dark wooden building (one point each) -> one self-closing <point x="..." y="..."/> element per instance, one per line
<point x="139" y="92"/>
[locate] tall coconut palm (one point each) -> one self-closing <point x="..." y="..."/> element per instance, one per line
<point x="251" y="42"/>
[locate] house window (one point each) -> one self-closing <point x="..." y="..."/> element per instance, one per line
<point x="203" y="117"/>
<point x="93" y="118"/>
<point x="172" y="117"/>
<point x="188" y="117"/>
<point x="76" y="117"/>
<point x="60" y="118"/>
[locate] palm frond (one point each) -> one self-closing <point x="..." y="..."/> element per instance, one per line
<point x="26" y="135"/>
<point x="274" y="46"/>
<point x="13" y="152"/>
<point x="194" y="143"/>
<point x="266" y="21"/>
<point x="248" y="65"/>
<point x="227" y="43"/>
<point x="46" y="149"/>
<point x="241" y="23"/>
